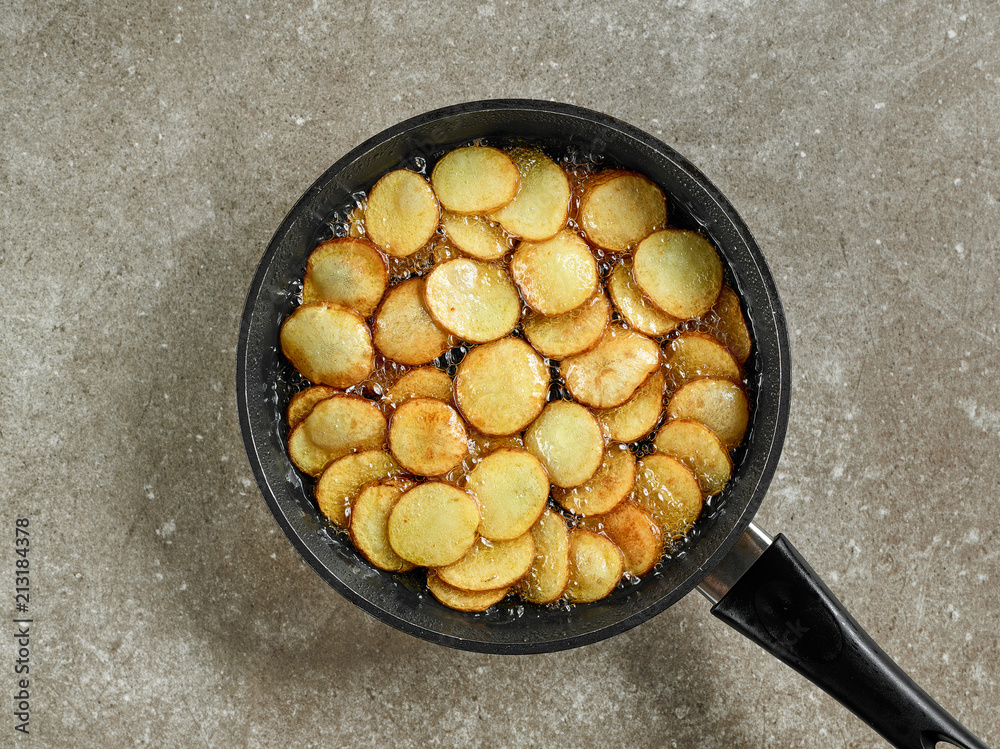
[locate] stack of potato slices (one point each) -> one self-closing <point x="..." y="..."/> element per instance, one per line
<point x="522" y="378"/>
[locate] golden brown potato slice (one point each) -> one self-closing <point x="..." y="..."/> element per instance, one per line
<point x="693" y="354"/>
<point x="346" y="271"/>
<point x="569" y="334"/>
<point x="433" y="524"/>
<point x="606" y="489"/>
<point x="512" y="488"/>
<point x="634" y="532"/>
<point x="700" y="449"/>
<point x="719" y="404"/>
<point x="475" y="301"/>
<point x="596" y="566"/>
<point x="402" y="213"/>
<point x="369" y="516"/>
<point x="476" y="236"/>
<point x="328" y="344"/>
<point x="335" y="427"/>
<point x="618" y="209"/>
<point x="637" y="310"/>
<point x="730" y="326"/>
<point x="463" y="600"/>
<point x="567" y="439"/>
<point x="427" y="437"/>
<point x="344" y="478"/>
<point x="541" y="206"/>
<point x="423" y="382"/>
<point x="404" y="331"/>
<point x="678" y="271"/>
<point x="668" y="490"/>
<point x="303" y="401"/>
<point x="475" y="179"/>
<point x="500" y="387"/>
<point x="636" y="417"/>
<point x="556" y="275"/>
<point x="548" y="577"/>
<point x="489" y="565"/>
<point x="608" y="374"/>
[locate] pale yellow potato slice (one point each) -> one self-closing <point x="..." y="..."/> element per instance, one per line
<point x="475" y="179"/>
<point x="347" y="271"/>
<point x="730" y="326"/>
<point x="548" y="577"/>
<point x="634" y="532"/>
<point x="634" y="307"/>
<point x="474" y="300"/>
<point x="668" y="490"/>
<point x="567" y="439"/>
<point x="433" y="524"/>
<point x="569" y="334"/>
<point x="402" y="213"/>
<point x="694" y="354"/>
<point x="476" y="236"/>
<point x="541" y="206"/>
<point x="423" y="382"/>
<point x="404" y="331"/>
<point x="303" y="401"/>
<point x="369" y="516"/>
<point x="608" y="374"/>
<point x="335" y="427"/>
<point x="463" y="600"/>
<point x="427" y="437"/>
<point x="500" y="387"/>
<point x="700" y="449"/>
<point x="596" y="566"/>
<point x="344" y="478"/>
<point x="636" y="417"/>
<point x="512" y="488"/>
<point x="489" y="565"/>
<point x="678" y="271"/>
<point x="328" y="344"/>
<point x="619" y="208"/>
<point x="556" y="275"/>
<point x="611" y="484"/>
<point x="718" y="403"/>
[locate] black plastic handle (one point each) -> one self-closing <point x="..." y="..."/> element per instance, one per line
<point x="781" y="604"/>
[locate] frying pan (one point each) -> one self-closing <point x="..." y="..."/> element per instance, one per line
<point x="761" y="587"/>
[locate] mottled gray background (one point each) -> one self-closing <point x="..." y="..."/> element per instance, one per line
<point x="149" y="150"/>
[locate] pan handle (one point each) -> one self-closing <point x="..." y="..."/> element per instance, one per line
<point x="769" y="593"/>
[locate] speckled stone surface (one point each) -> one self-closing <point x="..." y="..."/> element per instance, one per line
<point x="147" y="153"/>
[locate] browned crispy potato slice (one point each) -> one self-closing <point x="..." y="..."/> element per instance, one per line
<point x="423" y="382"/>
<point x="463" y="600"/>
<point x="567" y="439"/>
<point x="596" y="566"/>
<point x="541" y="206"/>
<point x="475" y="301"/>
<point x="345" y="477"/>
<point x="618" y="209"/>
<point x="402" y="213"/>
<point x="608" y="487"/>
<point x="637" y="310"/>
<point x="303" y="401"/>
<point x="634" y="532"/>
<point x="475" y="179"/>
<point x="404" y="331"/>
<point x="512" y="488"/>
<point x="693" y="354"/>
<point x="613" y="370"/>
<point x="556" y="275"/>
<point x="678" y="271"/>
<point x="548" y="577"/>
<point x="500" y="387"/>
<point x="346" y="271"/>
<point x="569" y="334"/>
<point x="730" y="326"/>
<point x="636" y="417"/>
<point x="476" y="236"/>
<point x="489" y="565"/>
<point x="328" y="344"/>
<point x="669" y="491"/>
<point x="335" y="427"/>
<point x="718" y="403"/>
<point x="433" y="524"/>
<point x="369" y="516"/>
<point x="427" y="437"/>
<point x="700" y="449"/>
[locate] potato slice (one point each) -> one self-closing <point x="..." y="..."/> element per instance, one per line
<point x="718" y="403"/>
<point x="596" y="566"/>
<point x="433" y="524"/>
<point x="463" y="600"/>
<point x="636" y="417"/>
<point x="556" y="275"/>
<point x="730" y="326"/>
<point x="489" y="565"/>
<point x="619" y="208"/>
<point x="404" y="331"/>
<point x="328" y="344"/>
<point x="475" y="179"/>
<point x="608" y="374"/>
<point x="637" y="310"/>
<point x="693" y="354"/>
<point x="512" y="488"/>
<point x="347" y="271"/>
<point x="427" y="437"/>
<point x="475" y="301"/>
<point x="678" y="271"/>
<point x="476" y="236"/>
<point x="402" y="213"/>
<point x="669" y="491"/>
<point x="634" y="531"/>
<point x="606" y="489"/>
<point x="344" y="478"/>
<point x="369" y="516"/>
<point x="567" y="439"/>
<point x="569" y="334"/>
<point x="541" y="206"/>
<point x="423" y="382"/>
<point x="303" y="401"/>
<point x="335" y="427"/>
<point x="501" y="387"/>
<point x="548" y="577"/>
<point x="700" y="449"/>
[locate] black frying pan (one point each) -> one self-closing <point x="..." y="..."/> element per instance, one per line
<point x="762" y="588"/>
